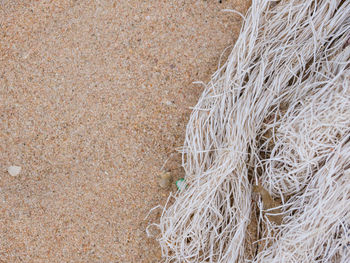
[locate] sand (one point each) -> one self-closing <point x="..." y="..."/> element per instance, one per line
<point x="94" y="97"/>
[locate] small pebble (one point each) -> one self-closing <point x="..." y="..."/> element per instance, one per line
<point x="14" y="170"/>
<point x="165" y="180"/>
<point x="169" y="103"/>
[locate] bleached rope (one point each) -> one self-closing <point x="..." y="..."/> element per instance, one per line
<point x="284" y="55"/>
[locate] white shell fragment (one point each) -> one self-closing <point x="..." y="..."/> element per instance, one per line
<point x="14" y="170"/>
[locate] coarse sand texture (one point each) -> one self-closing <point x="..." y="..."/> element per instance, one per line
<point x="94" y="97"/>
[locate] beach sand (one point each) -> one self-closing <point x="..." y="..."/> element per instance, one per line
<point x="95" y="97"/>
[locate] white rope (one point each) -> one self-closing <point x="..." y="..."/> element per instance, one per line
<point x="278" y="113"/>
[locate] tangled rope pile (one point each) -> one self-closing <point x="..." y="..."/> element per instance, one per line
<point x="275" y="116"/>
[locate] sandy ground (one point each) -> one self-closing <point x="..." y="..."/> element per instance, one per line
<point x="95" y="96"/>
